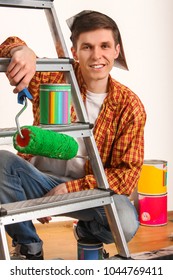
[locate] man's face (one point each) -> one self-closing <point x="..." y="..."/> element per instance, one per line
<point x="96" y="52"/>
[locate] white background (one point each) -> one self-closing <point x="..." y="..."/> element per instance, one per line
<point x="146" y="30"/>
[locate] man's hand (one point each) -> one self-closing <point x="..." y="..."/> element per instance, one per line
<point x="60" y="189"/>
<point x="22" y="67"/>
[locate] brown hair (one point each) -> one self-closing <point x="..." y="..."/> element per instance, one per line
<point x="92" y="21"/>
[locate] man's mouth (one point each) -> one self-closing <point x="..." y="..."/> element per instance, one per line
<point x="97" y="66"/>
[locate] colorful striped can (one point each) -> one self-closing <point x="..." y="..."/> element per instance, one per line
<point x="55" y="103"/>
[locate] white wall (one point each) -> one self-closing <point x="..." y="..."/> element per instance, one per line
<point x="146" y="29"/>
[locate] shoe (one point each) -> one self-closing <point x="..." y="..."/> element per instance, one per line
<point x="75" y="230"/>
<point x="82" y="239"/>
<point x="105" y="254"/>
<point x="20" y="253"/>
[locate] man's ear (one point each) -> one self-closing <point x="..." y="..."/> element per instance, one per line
<point x="74" y="53"/>
<point x="117" y="50"/>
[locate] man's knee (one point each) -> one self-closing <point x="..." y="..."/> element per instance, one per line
<point x="5" y="156"/>
<point x="127" y="215"/>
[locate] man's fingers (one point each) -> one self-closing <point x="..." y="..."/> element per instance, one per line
<point x="44" y="220"/>
<point x="21" y="68"/>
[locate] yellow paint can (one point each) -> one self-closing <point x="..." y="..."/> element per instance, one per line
<point x="153" y="178"/>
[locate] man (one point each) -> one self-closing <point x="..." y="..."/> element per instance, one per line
<point x="118" y="117"/>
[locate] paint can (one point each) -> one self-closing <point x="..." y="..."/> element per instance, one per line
<point x="153" y="210"/>
<point x="89" y="251"/>
<point x="153" y="178"/>
<point x="55" y="103"/>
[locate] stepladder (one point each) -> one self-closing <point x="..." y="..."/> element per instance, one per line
<point x="57" y="205"/>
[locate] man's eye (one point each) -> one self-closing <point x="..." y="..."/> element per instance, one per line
<point x="105" y="46"/>
<point x="86" y="47"/>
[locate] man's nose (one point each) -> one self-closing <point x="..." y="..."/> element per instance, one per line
<point x="97" y="53"/>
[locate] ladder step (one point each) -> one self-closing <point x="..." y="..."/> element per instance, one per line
<point x="46" y="4"/>
<point x="73" y="129"/>
<point x="53" y="205"/>
<point x="52" y="201"/>
<point x="44" y="64"/>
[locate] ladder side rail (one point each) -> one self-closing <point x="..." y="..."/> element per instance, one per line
<point x="4" y="251"/>
<point x="61" y="49"/>
<point x="4" y="64"/>
<point x="110" y="209"/>
<point x="56" y="32"/>
<point x="96" y="162"/>
<point x="76" y="97"/>
<point x="52" y="19"/>
<point x="116" y="230"/>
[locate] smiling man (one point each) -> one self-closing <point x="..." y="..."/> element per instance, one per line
<point x="96" y="50"/>
<point x="118" y="117"/>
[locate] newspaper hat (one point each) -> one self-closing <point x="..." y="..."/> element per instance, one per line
<point x="120" y="61"/>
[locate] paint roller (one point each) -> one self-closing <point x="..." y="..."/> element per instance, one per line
<point x="37" y="141"/>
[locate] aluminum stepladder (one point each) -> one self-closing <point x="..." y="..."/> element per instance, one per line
<point x="62" y="204"/>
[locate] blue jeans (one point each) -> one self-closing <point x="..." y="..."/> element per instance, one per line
<point x="20" y="180"/>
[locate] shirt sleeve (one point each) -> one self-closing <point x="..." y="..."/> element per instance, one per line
<point x="9" y="44"/>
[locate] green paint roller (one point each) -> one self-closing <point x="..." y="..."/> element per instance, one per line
<point x="37" y="141"/>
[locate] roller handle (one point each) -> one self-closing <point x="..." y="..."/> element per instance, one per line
<point x="22" y="95"/>
<point x="21" y="99"/>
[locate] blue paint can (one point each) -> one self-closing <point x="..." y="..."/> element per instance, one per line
<point x="89" y="251"/>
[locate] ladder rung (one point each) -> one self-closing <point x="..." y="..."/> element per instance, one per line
<point x="74" y="129"/>
<point x="44" y="64"/>
<point x="54" y="205"/>
<point x="52" y="201"/>
<point x="38" y="4"/>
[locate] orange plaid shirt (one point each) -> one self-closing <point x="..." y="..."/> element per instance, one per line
<point x="118" y="130"/>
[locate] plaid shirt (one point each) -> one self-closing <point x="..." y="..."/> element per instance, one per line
<point x="118" y="130"/>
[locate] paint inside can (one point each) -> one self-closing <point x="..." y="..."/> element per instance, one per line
<point x="55" y="103"/>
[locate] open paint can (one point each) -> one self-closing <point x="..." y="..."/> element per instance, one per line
<point x="55" y="103"/>
<point x="89" y="251"/>
<point x="153" y="210"/>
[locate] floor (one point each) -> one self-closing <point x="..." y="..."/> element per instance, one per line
<point x="59" y="241"/>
